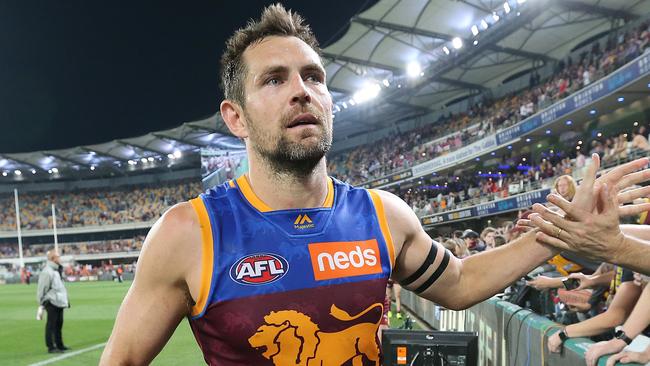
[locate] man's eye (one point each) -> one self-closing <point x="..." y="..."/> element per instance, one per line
<point x="314" y="78"/>
<point x="273" y="81"/>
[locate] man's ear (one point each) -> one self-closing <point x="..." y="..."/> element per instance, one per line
<point x="232" y="115"/>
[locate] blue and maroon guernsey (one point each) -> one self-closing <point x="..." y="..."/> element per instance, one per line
<point x="291" y="287"/>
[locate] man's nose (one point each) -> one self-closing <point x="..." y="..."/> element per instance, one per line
<point x="300" y="91"/>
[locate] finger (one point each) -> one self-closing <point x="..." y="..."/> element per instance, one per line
<point x="525" y="223"/>
<point x="553" y="218"/>
<point x="632" y="210"/>
<point x="552" y="241"/>
<point x="562" y="203"/>
<point x="607" y="200"/>
<point x="632" y="179"/>
<point x="632" y="194"/>
<point x="590" y="173"/>
<point x="627" y="168"/>
<point x="619" y="172"/>
<point x="612" y="359"/>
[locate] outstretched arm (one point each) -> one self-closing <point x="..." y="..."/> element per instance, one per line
<point x="158" y="298"/>
<point x="427" y="268"/>
<point x="638" y="320"/>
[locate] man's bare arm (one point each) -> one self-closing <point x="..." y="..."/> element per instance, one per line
<point x="158" y="298"/>
<point x="447" y="280"/>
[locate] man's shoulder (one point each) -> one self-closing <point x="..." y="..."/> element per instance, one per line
<point x="177" y="230"/>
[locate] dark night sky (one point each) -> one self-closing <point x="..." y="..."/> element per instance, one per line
<point x="83" y="72"/>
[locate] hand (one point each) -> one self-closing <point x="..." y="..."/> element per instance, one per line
<point x="629" y="357"/>
<point x="603" y="348"/>
<point x="596" y="235"/>
<point x="585" y="281"/>
<point x="599" y="218"/>
<point x="579" y="308"/>
<point x="542" y="283"/>
<point x="555" y="343"/>
<point x="39" y="313"/>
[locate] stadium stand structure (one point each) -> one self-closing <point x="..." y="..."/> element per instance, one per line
<point x="479" y="133"/>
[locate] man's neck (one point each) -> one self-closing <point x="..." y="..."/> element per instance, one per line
<point x="282" y="191"/>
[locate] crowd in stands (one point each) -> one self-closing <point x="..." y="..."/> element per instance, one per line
<point x="95" y="207"/>
<point x="405" y="149"/>
<point x="91" y="247"/>
<point x="520" y="174"/>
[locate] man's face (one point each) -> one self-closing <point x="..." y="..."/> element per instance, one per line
<point x="470" y="242"/>
<point x="287" y="108"/>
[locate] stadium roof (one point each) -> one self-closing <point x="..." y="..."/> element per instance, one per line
<point x="455" y="48"/>
<point x="461" y="48"/>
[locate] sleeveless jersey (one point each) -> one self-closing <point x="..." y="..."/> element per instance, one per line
<point x="291" y="287"/>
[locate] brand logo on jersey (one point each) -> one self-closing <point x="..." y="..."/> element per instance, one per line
<point x="259" y="269"/>
<point x="344" y="259"/>
<point x="303" y="222"/>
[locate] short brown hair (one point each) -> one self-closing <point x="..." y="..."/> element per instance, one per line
<point x="275" y="21"/>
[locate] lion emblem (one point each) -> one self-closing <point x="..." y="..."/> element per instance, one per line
<point x="291" y="338"/>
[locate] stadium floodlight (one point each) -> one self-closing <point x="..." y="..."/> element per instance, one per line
<point x="445" y="50"/>
<point x="548" y="132"/>
<point x="493" y="153"/>
<point x="55" y="170"/>
<point x="18" y="172"/>
<point x="495" y="16"/>
<point x="592" y="112"/>
<point x="368" y="92"/>
<point x="621" y="99"/>
<point x="143" y="160"/>
<point x="580" y="142"/>
<point x="599" y="134"/>
<point x="386" y="83"/>
<point x="178" y="154"/>
<point x="636" y="124"/>
<point x="4" y="174"/>
<point x="475" y="42"/>
<point x="92" y="167"/>
<point x="457" y="43"/>
<point x="506" y="7"/>
<point x="413" y="69"/>
<point x="569" y="122"/>
<point x="33" y="171"/>
<point x="170" y="156"/>
<point x="528" y="139"/>
<point x="352" y="102"/>
<point x="474" y="30"/>
<point x="484" y="24"/>
<point x="521" y="1"/>
<point x="150" y="159"/>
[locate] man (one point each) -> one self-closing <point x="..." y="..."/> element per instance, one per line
<point x="285" y="265"/>
<point x="472" y="241"/>
<point x="52" y="295"/>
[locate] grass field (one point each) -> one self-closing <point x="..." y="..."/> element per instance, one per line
<point x="87" y="323"/>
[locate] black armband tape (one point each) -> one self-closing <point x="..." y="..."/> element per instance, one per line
<point x="428" y="261"/>
<point x="441" y="268"/>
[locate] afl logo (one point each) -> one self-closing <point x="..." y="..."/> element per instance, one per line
<point x="259" y="269"/>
